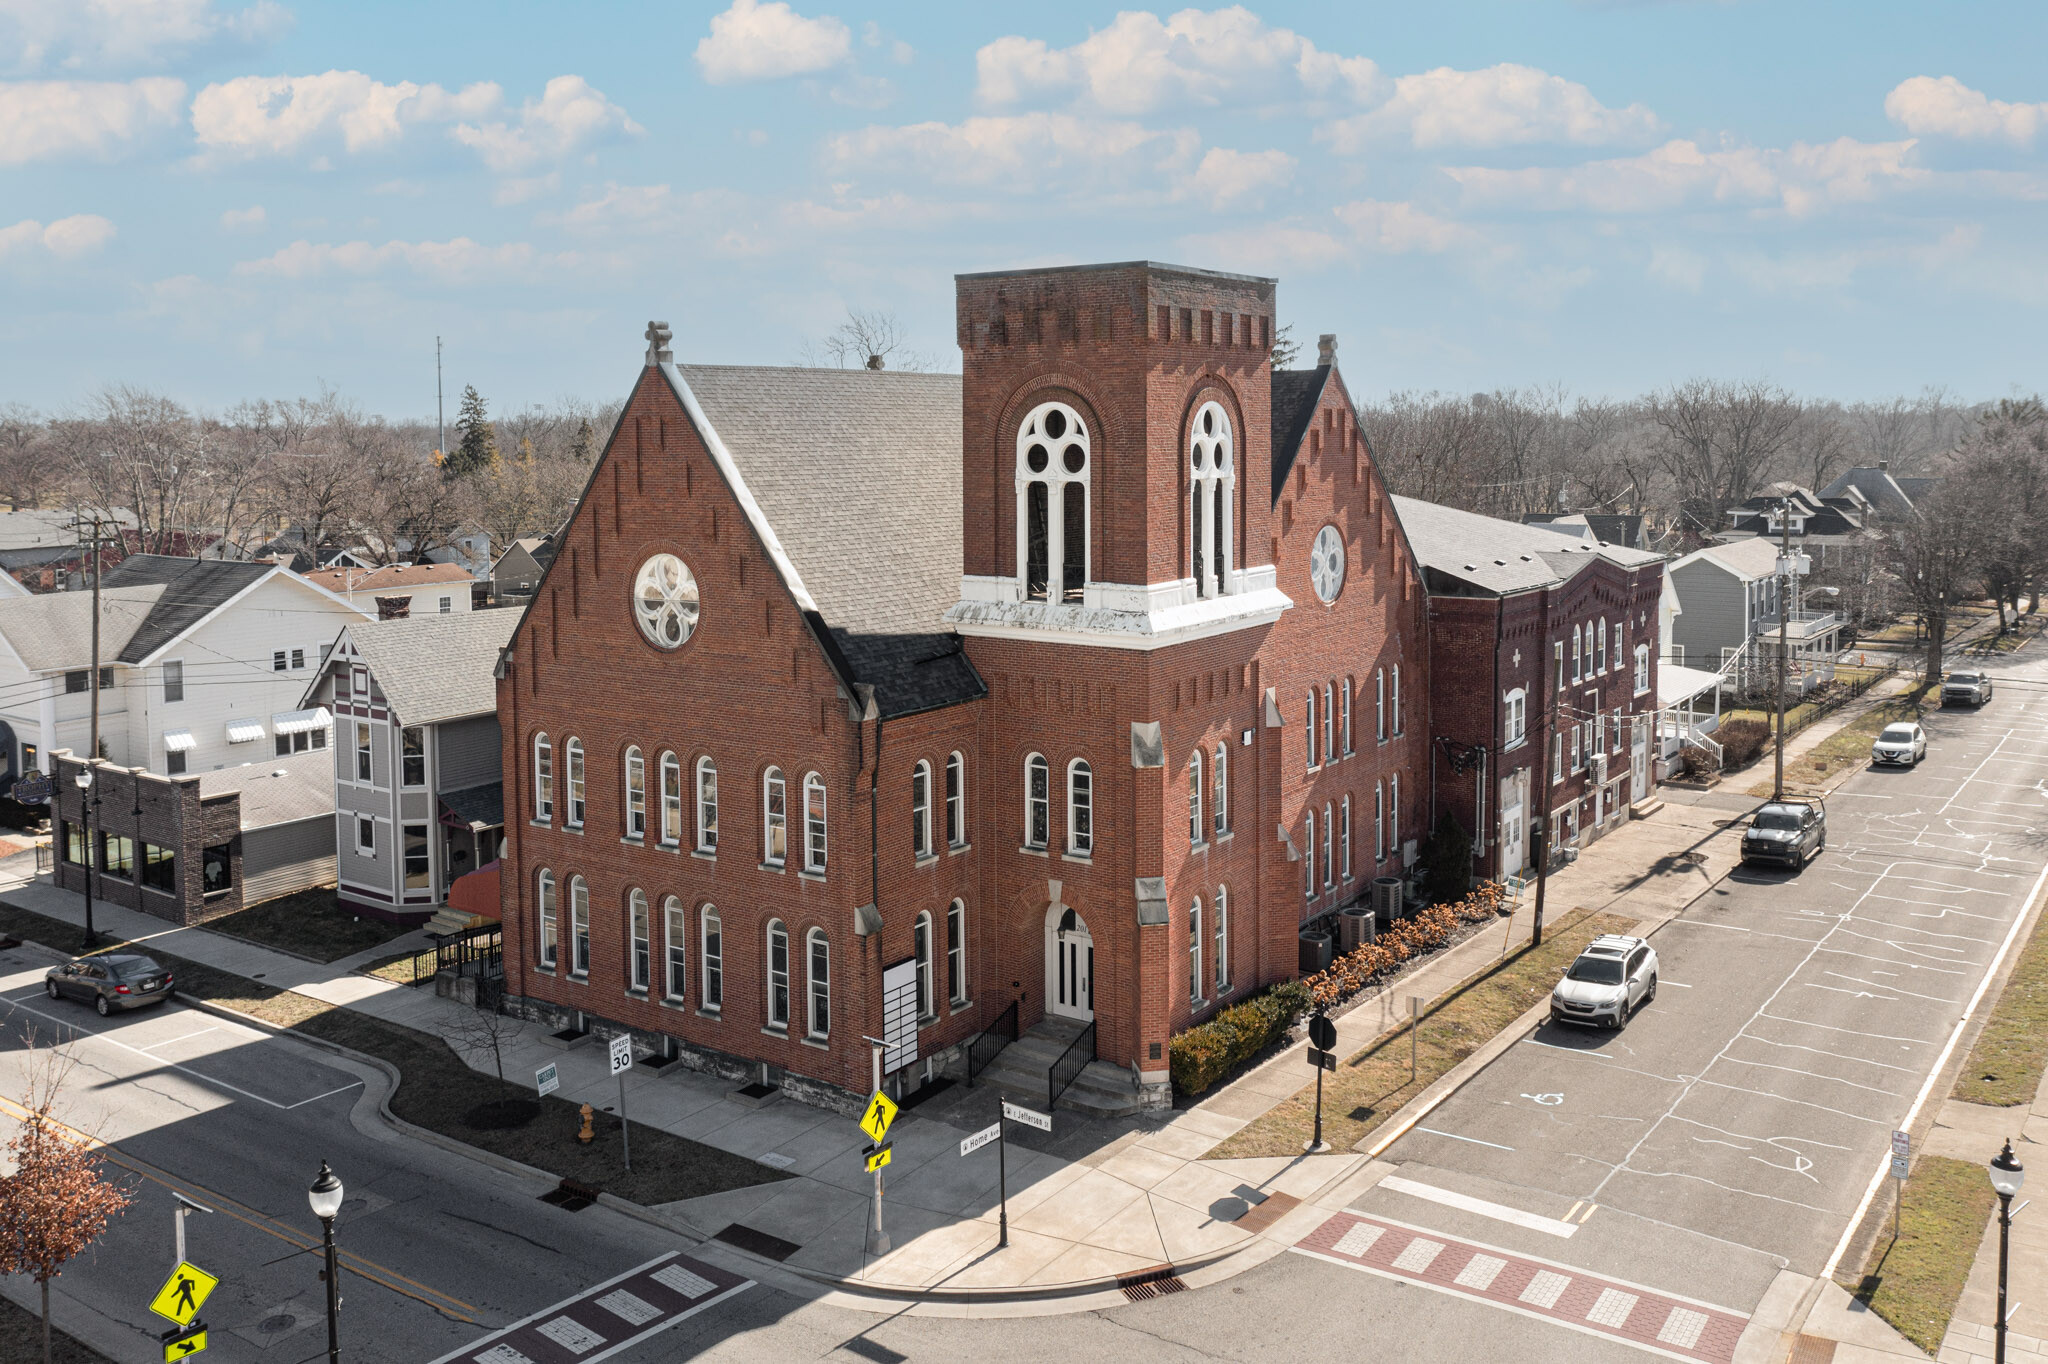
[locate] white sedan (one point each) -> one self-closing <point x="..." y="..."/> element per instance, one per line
<point x="1901" y="745"/>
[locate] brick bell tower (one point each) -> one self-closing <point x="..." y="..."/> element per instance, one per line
<point x="1116" y="587"/>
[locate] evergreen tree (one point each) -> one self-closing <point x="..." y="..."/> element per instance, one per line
<point x="584" y="447"/>
<point x="478" y="448"/>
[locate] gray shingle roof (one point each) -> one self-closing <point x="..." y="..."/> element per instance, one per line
<point x="1750" y="558"/>
<point x="858" y="473"/>
<point x="1496" y="556"/>
<point x="54" y="630"/>
<point x="304" y="791"/>
<point x="435" y="667"/>
<point x="1295" y="395"/>
<point x="480" y="807"/>
<point x="195" y="588"/>
<point x="1877" y="486"/>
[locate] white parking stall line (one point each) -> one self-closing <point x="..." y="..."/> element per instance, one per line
<point x="1838" y="1055"/>
<point x="1455" y="1136"/>
<point x="1499" y="1212"/>
<point x="187" y="1037"/>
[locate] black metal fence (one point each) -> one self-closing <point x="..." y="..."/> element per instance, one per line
<point x="1072" y="1062"/>
<point x="478" y="951"/>
<point x="991" y="1040"/>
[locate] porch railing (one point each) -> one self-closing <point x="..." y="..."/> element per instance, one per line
<point x="992" y="1039"/>
<point x="1072" y="1062"/>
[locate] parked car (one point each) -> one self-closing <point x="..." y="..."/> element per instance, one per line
<point x="1900" y="745"/>
<point x="1790" y="833"/>
<point x="114" y="981"/>
<point x="1612" y="978"/>
<point x="1966" y="688"/>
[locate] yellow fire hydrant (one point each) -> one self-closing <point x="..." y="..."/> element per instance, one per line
<point x="586" y="1134"/>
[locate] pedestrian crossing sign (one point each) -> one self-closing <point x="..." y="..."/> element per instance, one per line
<point x="881" y="1111"/>
<point x="183" y="1294"/>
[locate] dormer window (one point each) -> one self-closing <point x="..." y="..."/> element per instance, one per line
<point x="1212" y="481"/>
<point x="1052" y="503"/>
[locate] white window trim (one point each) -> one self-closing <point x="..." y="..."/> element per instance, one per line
<point x="710" y="964"/>
<point x="956" y="800"/>
<point x="667" y="765"/>
<point x="674" y="915"/>
<point x="956" y="953"/>
<point x="1515" y="718"/>
<point x="817" y="988"/>
<point x="1080" y="801"/>
<point x="1195" y="972"/>
<point x="770" y="779"/>
<point x="817" y="852"/>
<point x="636" y="800"/>
<point x="1222" y="940"/>
<point x="575" y="773"/>
<point x="1035" y="764"/>
<point x="547" y="906"/>
<point x="921" y="810"/>
<point x="1198" y="833"/>
<point x="543" y="780"/>
<point x="776" y="928"/>
<point x="704" y="839"/>
<point x="924" y="950"/>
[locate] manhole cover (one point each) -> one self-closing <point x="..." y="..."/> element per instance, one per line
<point x="283" y="1321"/>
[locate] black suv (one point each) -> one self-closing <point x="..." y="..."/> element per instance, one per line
<point x="114" y="981"/>
<point x="1790" y="833"/>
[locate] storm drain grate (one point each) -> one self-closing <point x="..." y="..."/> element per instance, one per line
<point x="570" y="1195"/>
<point x="1150" y="1283"/>
<point x="759" y="1242"/>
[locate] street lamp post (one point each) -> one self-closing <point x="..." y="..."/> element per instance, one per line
<point x="2007" y="1174"/>
<point x="88" y="801"/>
<point x="325" y="1196"/>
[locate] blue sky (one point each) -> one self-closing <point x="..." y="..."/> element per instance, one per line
<point x="239" y="198"/>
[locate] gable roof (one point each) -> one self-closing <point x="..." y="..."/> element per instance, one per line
<point x="1749" y="559"/>
<point x="1878" y="487"/>
<point x="1296" y="392"/>
<point x="433" y="668"/>
<point x="873" y="556"/>
<point x="345" y="580"/>
<point x="1500" y="557"/>
<point x="52" y="631"/>
<point x="193" y="590"/>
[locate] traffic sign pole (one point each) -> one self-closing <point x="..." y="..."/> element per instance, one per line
<point x="622" y="1061"/>
<point x="1002" y="1183"/>
<point x="1322" y="1039"/>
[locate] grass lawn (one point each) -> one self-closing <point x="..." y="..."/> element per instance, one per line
<point x="436" y="1088"/>
<point x="21" y="1337"/>
<point x="1914" y="1282"/>
<point x="2006" y="1064"/>
<point x="1846" y="748"/>
<point x="1368" y="1088"/>
<point x="397" y="968"/>
<point x="310" y="923"/>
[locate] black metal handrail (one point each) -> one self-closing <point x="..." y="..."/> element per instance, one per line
<point x="1072" y="1062"/>
<point x="483" y="943"/>
<point x="991" y="1040"/>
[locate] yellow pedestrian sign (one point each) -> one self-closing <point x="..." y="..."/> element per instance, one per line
<point x="877" y="1158"/>
<point x="881" y="1112"/>
<point x="185" y="1345"/>
<point x="183" y="1294"/>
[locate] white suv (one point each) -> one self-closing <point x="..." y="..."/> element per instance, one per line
<point x="1612" y="978"/>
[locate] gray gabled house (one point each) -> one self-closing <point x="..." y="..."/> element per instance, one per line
<point x="417" y="790"/>
<point x="1728" y="620"/>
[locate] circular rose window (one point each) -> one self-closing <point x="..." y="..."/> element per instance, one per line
<point x="1326" y="563"/>
<point x="665" y="600"/>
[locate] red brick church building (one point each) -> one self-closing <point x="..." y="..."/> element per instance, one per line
<point x="1078" y="681"/>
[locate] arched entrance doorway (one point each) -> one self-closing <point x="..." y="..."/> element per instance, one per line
<point x="1069" y="965"/>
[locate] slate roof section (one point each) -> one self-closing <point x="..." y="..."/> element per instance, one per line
<point x="53" y="630"/>
<point x="435" y="667"/>
<point x="1878" y="487"/>
<point x="1295" y="395"/>
<point x="193" y="590"/>
<point x="858" y="473"/>
<point x="1499" y="557"/>
<point x="304" y="791"/>
<point x="480" y="807"/>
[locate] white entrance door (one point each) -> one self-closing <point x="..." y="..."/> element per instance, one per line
<point x="1070" y="967"/>
<point x="1639" y="762"/>
<point x="1514" y="824"/>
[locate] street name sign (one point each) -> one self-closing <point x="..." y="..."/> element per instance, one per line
<point x="547" y="1079"/>
<point x="622" y="1054"/>
<point x="981" y="1138"/>
<point x="1026" y="1116"/>
<point x="183" y="1294"/>
<point x="880" y="1113"/>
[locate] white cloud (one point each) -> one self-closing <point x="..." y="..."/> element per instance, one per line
<point x="1225" y="176"/>
<point x="1399" y="228"/>
<point x="1362" y="227"/>
<point x="1141" y="63"/>
<point x="754" y="41"/>
<point x="278" y="115"/>
<point x="68" y="238"/>
<point x="1678" y="267"/>
<point x="97" y="35"/>
<point x="42" y="120"/>
<point x="456" y="260"/>
<point x="569" y="115"/>
<point x="522" y="189"/>
<point x="1499" y="106"/>
<point x="1017" y="152"/>
<point x="1802" y="178"/>
<point x="243" y="219"/>
<point x="1945" y="107"/>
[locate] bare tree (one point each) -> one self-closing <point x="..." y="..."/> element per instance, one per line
<point x="27" y="459"/>
<point x="483" y="1032"/>
<point x="867" y="339"/>
<point x="1937" y="554"/>
<point x="1719" y="443"/>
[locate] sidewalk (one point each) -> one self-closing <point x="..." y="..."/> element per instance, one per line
<point x="1975" y="1132"/>
<point x="1088" y="1202"/>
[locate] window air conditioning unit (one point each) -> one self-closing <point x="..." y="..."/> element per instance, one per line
<point x="1599" y="769"/>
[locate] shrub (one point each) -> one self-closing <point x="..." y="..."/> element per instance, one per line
<point x="1699" y="763"/>
<point x="1742" y="740"/>
<point x="1207" y="1052"/>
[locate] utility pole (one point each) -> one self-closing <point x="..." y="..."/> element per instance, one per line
<point x="440" y="416"/>
<point x="91" y="796"/>
<point x="1542" y="770"/>
<point x="1785" y="593"/>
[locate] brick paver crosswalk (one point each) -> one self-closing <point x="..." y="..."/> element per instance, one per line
<point x="1662" y="1323"/>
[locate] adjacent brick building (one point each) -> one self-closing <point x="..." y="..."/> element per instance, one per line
<point x="1079" y="681"/>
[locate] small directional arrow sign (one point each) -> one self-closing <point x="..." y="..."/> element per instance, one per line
<point x="184" y="1342"/>
<point x="877" y="1157"/>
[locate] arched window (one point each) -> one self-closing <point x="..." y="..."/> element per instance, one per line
<point x="956" y="800"/>
<point x="956" y="952"/>
<point x="1308" y="855"/>
<point x="1399" y="724"/>
<point x="1052" y="503"/>
<point x="579" y="926"/>
<point x="544" y="899"/>
<point x="814" y="823"/>
<point x="1329" y="722"/>
<point x="1309" y="715"/>
<point x="1514" y="718"/>
<point x="572" y="758"/>
<point x="818" y="975"/>
<point x="1379" y="704"/>
<point x="543" y="779"/>
<point x="1222" y="912"/>
<point x="640" y="957"/>
<point x="1212" y="482"/>
<point x="1037" y="801"/>
<point x="1344" y="723"/>
<point x="1080" y="808"/>
<point x="921" y="942"/>
<point x="1329" y="836"/>
<point x="921" y="809"/>
<point x="707" y="805"/>
<point x="775" y="818"/>
<point x="1195" y="951"/>
<point x="1219" y="800"/>
<point x="1195" y="797"/>
<point x="1578" y="651"/>
<point x="675" y="943"/>
<point x="778" y="975"/>
<point x="1344" y="836"/>
<point x="1394" y="814"/>
<point x="711" y="959"/>
<point x="1603" y="646"/>
<point x="1379" y="822"/>
<point x="636" y="794"/>
<point x="671" y="800"/>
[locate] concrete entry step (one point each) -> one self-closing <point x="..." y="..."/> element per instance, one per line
<point x="1020" y="1070"/>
